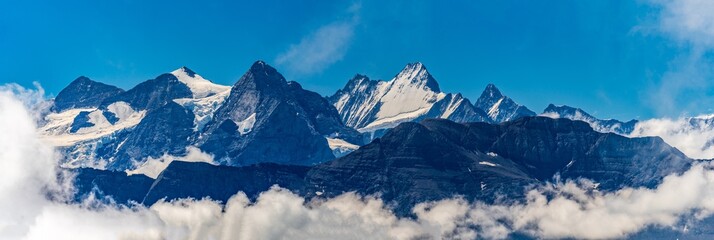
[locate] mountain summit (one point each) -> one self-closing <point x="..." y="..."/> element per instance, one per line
<point x="266" y="118"/>
<point x="500" y="108"/>
<point x="84" y="93"/>
<point x="413" y="94"/>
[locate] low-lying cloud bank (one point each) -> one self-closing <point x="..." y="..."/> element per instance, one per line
<point x="694" y="136"/>
<point x="28" y="170"/>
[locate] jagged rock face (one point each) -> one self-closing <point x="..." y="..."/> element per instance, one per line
<point x="262" y="118"/>
<point x="267" y="119"/>
<point x="440" y="158"/>
<point x="188" y="180"/>
<point x="437" y="159"/>
<point x="456" y="108"/>
<point x="500" y="108"/>
<point x="546" y="147"/>
<point x="83" y="93"/>
<point x="609" y="125"/>
<point x="413" y="94"/>
<point x="152" y="94"/>
<point x="166" y="130"/>
<point x="196" y="180"/>
<point x="413" y="164"/>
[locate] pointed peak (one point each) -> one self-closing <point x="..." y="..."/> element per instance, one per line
<point x="260" y="73"/>
<point x="416" y="65"/>
<point x="81" y="79"/>
<point x="416" y="74"/>
<point x="185" y="70"/>
<point x="260" y="65"/>
<point x="491" y="91"/>
<point x="550" y="108"/>
<point x="358" y="78"/>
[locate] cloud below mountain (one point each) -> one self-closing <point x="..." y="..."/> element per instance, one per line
<point x="694" y="136"/>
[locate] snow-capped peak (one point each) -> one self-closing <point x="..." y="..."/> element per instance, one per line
<point x="200" y="87"/>
<point x="500" y="108"/>
<point x="415" y="74"/>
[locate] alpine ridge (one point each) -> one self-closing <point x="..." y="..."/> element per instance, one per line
<point x="431" y="160"/>
<point x="413" y="94"/>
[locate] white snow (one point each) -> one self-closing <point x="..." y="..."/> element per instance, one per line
<point x="56" y="131"/>
<point x="453" y="105"/>
<point x="152" y="167"/>
<point x="593" y="122"/>
<point x="493" y="111"/>
<point x="570" y="163"/>
<point x="404" y="98"/>
<point x="488" y="163"/>
<point x="492" y="154"/>
<point x="199" y="86"/>
<point x="203" y="108"/>
<point x="246" y="125"/>
<point x="121" y="110"/>
<point x="340" y="147"/>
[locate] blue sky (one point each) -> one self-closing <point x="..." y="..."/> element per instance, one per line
<point x="615" y="59"/>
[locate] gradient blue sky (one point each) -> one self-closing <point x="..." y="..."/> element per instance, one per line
<point x="608" y="57"/>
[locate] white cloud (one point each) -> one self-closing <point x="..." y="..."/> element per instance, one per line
<point x="694" y="136"/>
<point x="685" y="85"/>
<point x="688" y="21"/>
<point x="323" y="47"/>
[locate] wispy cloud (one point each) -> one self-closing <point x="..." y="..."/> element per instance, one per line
<point x="323" y="47"/>
<point x="690" y="24"/>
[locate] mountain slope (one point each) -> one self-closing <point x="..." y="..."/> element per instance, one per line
<point x="83" y="93"/>
<point x="413" y="94"/>
<point x="267" y="119"/>
<point x="500" y="108"/>
<point x="130" y="126"/>
<point x="437" y="159"/>
<point x="608" y="125"/>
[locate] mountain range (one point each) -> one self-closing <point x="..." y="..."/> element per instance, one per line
<point x="402" y="139"/>
<point x="261" y="118"/>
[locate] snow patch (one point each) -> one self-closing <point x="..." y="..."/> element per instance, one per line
<point x="203" y="108"/>
<point x="340" y="147"/>
<point x="56" y="130"/>
<point x="199" y="86"/>
<point x="121" y="110"/>
<point x="246" y="126"/>
<point x="493" y="111"/>
<point x="488" y="164"/>
<point x="152" y="167"/>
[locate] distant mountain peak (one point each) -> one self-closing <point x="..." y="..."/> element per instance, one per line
<point x="81" y="79"/>
<point x="491" y="91"/>
<point x="262" y="74"/>
<point x="500" y="108"/>
<point x="260" y="65"/>
<point x="83" y="92"/>
<point x="187" y="70"/>
<point x="200" y="87"/>
<point x="413" y="94"/>
<point x="600" y="125"/>
<point x="416" y="74"/>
